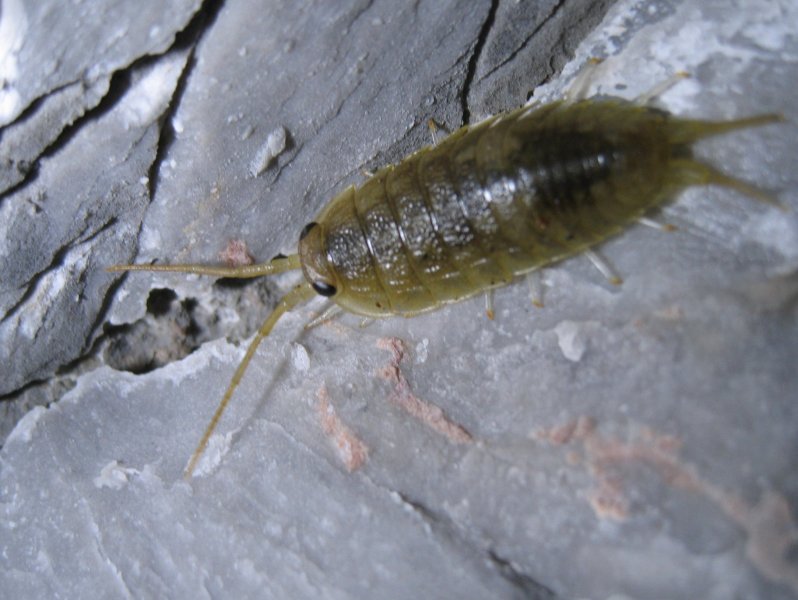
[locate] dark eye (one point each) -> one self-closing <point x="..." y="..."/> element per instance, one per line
<point x="306" y="230"/>
<point x="323" y="288"/>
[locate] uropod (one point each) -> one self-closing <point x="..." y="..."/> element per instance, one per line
<point x="491" y="202"/>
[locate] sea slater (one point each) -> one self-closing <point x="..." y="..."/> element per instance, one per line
<point x="491" y="202"/>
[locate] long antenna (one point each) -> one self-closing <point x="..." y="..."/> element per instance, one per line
<point x="276" y="265"/>
<point x="301" y="293"/>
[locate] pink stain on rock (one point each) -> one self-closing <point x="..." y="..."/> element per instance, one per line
<point x="236" y="254"/>
<point x="769" y="524"/>
<point x="426" y="412"/>
<point x="351" y="450"/>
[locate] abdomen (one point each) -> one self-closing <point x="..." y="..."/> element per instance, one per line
<point x="491" y="202"/>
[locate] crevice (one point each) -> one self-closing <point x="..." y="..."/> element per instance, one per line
<point x="160" y="300"/>
<point x="28" y="168"/>
<point x="55" y="263"/>
<point x="30" y="173"/>
<point x="42" y="392"/>
<point x="166" y="130"/>
<point x="482" y="38"/>
<point x="518" y="578"/>
<point x="444" y="526"/>
<point x="168" y="332"/>
<point x="35" y="104"/>
<point x="187" y="39"/>
<point x="583" y="21"/>
<point x="120" y="83"/>
<point x="174" y="327"/>
<point x="510" y="57"/>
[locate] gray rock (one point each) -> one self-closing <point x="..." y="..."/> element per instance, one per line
<point x="58" y="62"/>
<point x="83" y="209"/>
<point x="621" y="442"/>
<point x="52" y="45"/>
<point x="24" y="140"/>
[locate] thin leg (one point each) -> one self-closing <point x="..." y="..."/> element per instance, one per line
<point x="433" y="131"/>
<point x="530" y="107"/>
<point x="329" y="312"/>
<point x="535" y="282"/>
<point x="580" y="86"/>
<point x="659" y="89"/>
<point x="491" y="314"/>
<point x="666" y="227"/>
<point x="604" y="267"/>
<point x="299" y="294"/>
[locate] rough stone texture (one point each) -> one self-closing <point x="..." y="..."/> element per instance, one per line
<point x="57" y="232"/>
<point x="629" y="442"/>
<point x="57" y="62"/>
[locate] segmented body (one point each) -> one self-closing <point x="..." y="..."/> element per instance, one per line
<point x="492" y="201"/>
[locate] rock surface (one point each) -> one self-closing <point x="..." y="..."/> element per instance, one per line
<point x="621" y="442"/>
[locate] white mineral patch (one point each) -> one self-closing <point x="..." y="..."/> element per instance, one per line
<point x="13" y="25"/>
<point x="218" y="446"/>
<point x="572" y="339"/>
<point x="114" y="476"/>
<point x="9" y="103"/>
<point x="24" y="429"/>
<point x="422" y="351"/>
<point x="300" y="357"/>
<point x="274" y="145"/>
<point x="247" y="133"/>
<point x="31" y="317"/>
<point x="152" y="93"/>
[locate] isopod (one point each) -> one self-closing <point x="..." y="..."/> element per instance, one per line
<point x="492" y="201"/>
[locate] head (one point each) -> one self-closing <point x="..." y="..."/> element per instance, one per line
<point x="313" y="255"/>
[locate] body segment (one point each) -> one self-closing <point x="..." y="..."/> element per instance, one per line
<point x="512" y="194"/>
<point x="495" y="200"/>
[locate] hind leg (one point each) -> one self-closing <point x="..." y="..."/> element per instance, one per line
<point x="534" y="281"/>
<point x="654" y="224"/>
<point x="489" y="311"/>
<point x="434" y="128"/>
<point x="604" y="267"/>
<point x="648" y="97"/>
<point x="580" y="86"/>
